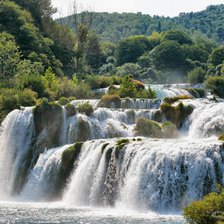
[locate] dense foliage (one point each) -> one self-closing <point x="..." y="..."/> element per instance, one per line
<point x="207" y="211"/>
<point x="116" y="26"/>
<point x="41" y="58"/>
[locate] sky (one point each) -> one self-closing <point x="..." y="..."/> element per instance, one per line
<point x="152" y="7"/>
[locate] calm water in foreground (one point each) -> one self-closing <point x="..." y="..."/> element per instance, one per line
<point x="32" y="213"/>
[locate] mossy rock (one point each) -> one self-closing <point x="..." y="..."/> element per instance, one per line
<point x="148" y="128"/>
<point x="138" y="84"/>
<point x="110" y="101"/>
<point x="176" y="114"/>
<point x="158" y="116"/>
<point x="85" y="108"/>
<point x="172" y="100"/>
<point x="127" y="102"/>
<point x="169" y="130"/>
<point x="119" y="145"/>
<point x="83" y="130"/>
<point x="221" y="137"/>
<point x="196" y="92"/>
<point x="70" y="110"/>
<point x="70" y="155"/>
<point x="48" y="116"/>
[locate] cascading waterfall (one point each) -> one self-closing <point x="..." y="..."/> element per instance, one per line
<point x="43" y="179"/>
<point x="207" y="120"/>
<point x="15" y="141"/>
<point x="143" y="173"/>
<point x="150" y="174"/>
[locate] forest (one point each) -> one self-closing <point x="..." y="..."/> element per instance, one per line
<point x="43" y="58"/>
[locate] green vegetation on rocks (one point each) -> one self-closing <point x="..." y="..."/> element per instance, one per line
<point x="176" y="114"/>
<point x="216" y="85"/>
<point x="221" y="137"/>
<point x="196" y="92"/>
<point x="172" y="100"/>
<point x="169" y="130"/>
<point x="70" y="109"/>
<point x="109" y="101"/>
<point x="207" y="211"/>
<point x="148" y="128"/>
<point x="69" y="156"/>
<point x="85" y="108"/>
<point x="119" y="145"/>
<point x="47" y="116"/>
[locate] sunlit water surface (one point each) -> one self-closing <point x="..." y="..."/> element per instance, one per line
<point x="14" y="212"/>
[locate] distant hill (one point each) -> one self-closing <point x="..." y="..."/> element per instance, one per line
<point x="115" y="26"/>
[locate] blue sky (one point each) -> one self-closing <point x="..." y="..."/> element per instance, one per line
<point x="152" y="7"/>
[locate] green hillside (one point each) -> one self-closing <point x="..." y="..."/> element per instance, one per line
<point x="116" y="26"/>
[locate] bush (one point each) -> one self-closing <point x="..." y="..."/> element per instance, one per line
<point x="99" y="81"/>
<point x="216" y="85"/>
<point x="85" y="108"/>
<point x="63" y="101"/>
<point x="109" y="100"/>
<point x="148" y="128"/>
<point x="204" y="211"/>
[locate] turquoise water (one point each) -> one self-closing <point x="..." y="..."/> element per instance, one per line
<point x="55" y="213"/>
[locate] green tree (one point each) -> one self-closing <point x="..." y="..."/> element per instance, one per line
<point x="9" y="56"/>
<point x="127" y="87"/>
<point x="131" y="48"/>
<point x="168" y="55"/>
<point x="178" y="36"/>
<point x="217" y="56"/>
<point x="197" y="75"/>
<point x="129" y="69"/>
<point x="216" y="85"/>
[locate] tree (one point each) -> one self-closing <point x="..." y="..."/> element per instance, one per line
<point x="178" y="36"/>
<point x="129" y="69"/>
<point x="9" y="56"/>
<point x="216" y="85"/>
<point x="131" y="48"/>
<point x="127" y="87"/>
<point x="168" y="55"/>
<point x="217" y="56"/>
<point x="197" y="75"/>
<point x="93" y="51"/>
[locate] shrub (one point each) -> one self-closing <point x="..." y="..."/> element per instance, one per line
<point x="85" y="108"/>
<point x="216" y="85"/>
<point x="63" y="101"/>
<point x="99" y="81"/>
<point x="109" y="100"/>
<point x="204" y="211"/>
<point x="148" y="128"/>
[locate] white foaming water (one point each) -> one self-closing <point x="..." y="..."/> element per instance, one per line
<point x="152" y="174"/>
<point x="63" y="136"/>
<point x="207" y="120"/>
<point x="42" y="180"/>
<point x="15" y="140"/>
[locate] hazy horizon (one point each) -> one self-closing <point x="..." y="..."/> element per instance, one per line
<point x="169" y="8"/>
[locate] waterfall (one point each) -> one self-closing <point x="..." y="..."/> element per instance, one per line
<point x="150" y="174"/>
<point x="43" y="180"/>
<point x="15" y="140"/>
<point x="63" y="135"/>
<point x="207" y="120"/>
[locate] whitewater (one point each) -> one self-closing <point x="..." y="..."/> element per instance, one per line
<point x="147" y="180"/>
